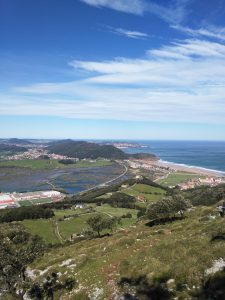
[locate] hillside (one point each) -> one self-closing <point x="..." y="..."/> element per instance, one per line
<point x="11" y="148"/>
<point x="161" y="262"/>
<point x="80" y="149"/>
<point x="134" y="259"/>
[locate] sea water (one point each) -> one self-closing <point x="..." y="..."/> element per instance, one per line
<point x="204" y="154"/>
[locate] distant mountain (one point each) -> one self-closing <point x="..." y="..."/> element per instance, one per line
<point x="12" y="148"/>
<point x="59" y="142"/>
<point x="83" y="149"/>
<point x="15" y="141"/>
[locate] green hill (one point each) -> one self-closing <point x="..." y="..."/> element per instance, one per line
<point x="81" y="149"/>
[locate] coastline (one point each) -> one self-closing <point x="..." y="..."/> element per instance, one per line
<point x="188" y="169"/>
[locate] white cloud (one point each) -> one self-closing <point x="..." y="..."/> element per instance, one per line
<point x="128" y="33"/>
<point x="181" y="82"/>
<point x="211" y="31"/>
<point x="174" y="13"/>
<point x="136" y="7"/>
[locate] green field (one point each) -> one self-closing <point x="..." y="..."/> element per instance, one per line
<point x="39" y="164"/>
<point x="175" y="178"/>
<point x="149" y="192"/>
<point x="25" y="203"/>
<point x="43" y="228"/>
<point x="41" y="200"/>
<point x="75" y="224"/>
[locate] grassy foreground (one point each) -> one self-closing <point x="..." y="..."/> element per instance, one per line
<point x="180" y="252"/>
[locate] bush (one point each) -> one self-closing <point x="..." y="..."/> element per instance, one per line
<point x="167" y="207"/>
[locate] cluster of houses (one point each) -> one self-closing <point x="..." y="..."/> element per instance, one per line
<point x="36" y="153"/>
<point x="11" y="200"/>
<point x="146" y="165"/>
<point x="195" y="182"/>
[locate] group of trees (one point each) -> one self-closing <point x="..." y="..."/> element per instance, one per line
<point x="167" y="207"/>
<point x="27" y="212"/>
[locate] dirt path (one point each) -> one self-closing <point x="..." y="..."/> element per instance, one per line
<point x="56" y="231"/>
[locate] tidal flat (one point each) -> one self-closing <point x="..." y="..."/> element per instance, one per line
<point x="72" y="180"/>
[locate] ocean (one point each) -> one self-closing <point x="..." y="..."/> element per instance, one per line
<point x="208" y="155"/>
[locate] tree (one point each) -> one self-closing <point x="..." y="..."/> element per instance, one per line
<point x="179" y="204"/>
<point x="167" y="206"/>
<point x="160" y="209"/>
<point x="99" y="222"/>
<point x="18" y="248"/>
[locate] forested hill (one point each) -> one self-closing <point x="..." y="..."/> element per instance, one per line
<point x="80" y="149"/>
<point x="12" y="148"/>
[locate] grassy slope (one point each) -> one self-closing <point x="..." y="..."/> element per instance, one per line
<point x="39" y="164"/>
<point x="171" y="251"/>
<point x="176" y="178"/>
<point x="43" y="228"/>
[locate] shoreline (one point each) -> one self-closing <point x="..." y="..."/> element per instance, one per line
<point x="188" y="169"/>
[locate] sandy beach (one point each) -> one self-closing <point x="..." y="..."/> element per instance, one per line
<point x="191" y="169"/>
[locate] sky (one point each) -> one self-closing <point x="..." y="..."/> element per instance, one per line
<point x="121" y="69"/>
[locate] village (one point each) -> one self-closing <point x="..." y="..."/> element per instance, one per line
<point x="37" y="153"/>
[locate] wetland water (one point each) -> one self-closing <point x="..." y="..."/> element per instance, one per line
<point x="74" y="180"/>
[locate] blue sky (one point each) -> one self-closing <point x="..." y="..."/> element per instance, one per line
<point x="122" y="69"/>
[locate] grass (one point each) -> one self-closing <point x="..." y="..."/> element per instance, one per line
<point x="24" y="203"/>
<point x="149" y="192"/>
<point x="43" y="228"/>
<point x="175" y="178"/>
<point x="43" y="164"/>
<point x="74" y="225"/>
<point x="114" y="211"/>
<point x="41" y="200"/>
<point x="174" y="250"/>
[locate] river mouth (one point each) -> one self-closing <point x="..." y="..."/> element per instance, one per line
<point x="71" y="181"/>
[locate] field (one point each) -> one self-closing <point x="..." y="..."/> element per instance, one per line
<point x="47" y="164"/>
<point x="175" y="178"/>
<point x="150" y="193"/>
<point x="75" y="224"/>
<point x="43" y="228"/>
<point x="155" y="254"/>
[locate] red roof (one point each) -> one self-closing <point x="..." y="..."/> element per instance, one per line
<point x="7" y="202"/>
